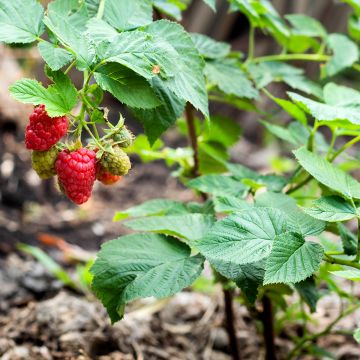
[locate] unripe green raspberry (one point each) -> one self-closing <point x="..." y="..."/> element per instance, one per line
<point x="43" y="162"/>
<point x="117" y="163"/>
<point x="124" y="137"/>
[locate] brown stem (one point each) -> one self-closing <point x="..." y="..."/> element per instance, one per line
<point x="189" y="112"/>
<point x="230" y="321"/>
<point x="268" y="324"/>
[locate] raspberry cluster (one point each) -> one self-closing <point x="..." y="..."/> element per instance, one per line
<point x="76" y="168"/>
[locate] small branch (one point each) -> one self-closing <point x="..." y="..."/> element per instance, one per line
<point x="230" y="323"/>
<point x="101" y="9"/>
<point x="326" y="331"/>
<point x="189" y="113"/>
<point x="299" y="185"/>
<point x="337" y="261"/>
<point x="251" y="49"/>
<point x="344" y="147"/>
<point x="268" y="328"/>
<point x="358" y="244"/>
<point x="70" y="67"/>
<point x="300" y="57"/>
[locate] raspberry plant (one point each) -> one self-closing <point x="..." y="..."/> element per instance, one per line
<point x="269" y="235"/>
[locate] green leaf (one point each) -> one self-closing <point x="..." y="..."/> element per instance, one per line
<point x="324" y="112"/>
<point x="211" y="3"/>
<point x="341" y="95"/>
<point x="171" y="9"/>
<point x="357" y="335"/>
<point x="230" y="78"/>
<point x="354" y="27"/>
<point x="281" y="132"/>
<point x="248" y="277"/>
<point x="348" y="239"/>
<point x="159" y="119"/>
<point x="151" y="208"/>
<point x="242" y="238"/>
<point x="267" y="72"/>
<point x="92" y="7"/>
<point x="222" y="130"/>
<point x="127" y="86"/>
<point x="55" y="56"/>
<point x="187" y="226"/>
<point x="328" y="174"/>
<point x="20" y="21"/>
<point x="306" y="25"/>
<point x="251" y="178"/>
<point x="353" y="274"/>
<point x="212" y="157"/>
<point x="331" y="209"/>
<point x="292" y="109"/>
<point x="59" y="98"/>
<point x="220" y="185"/>
<point x="292" y="259"/>
<point x="345" y="53"/>
<point x="67" y="20"/>
<point x="99" y="30"/>
<point x="297" y="220"/>
<point x="142" y="265"/>
<point x="230" y="204"/>
<point x="308" y="292"/>
<point x="210" y="48"/>
<point x="164" y="46"/>
<point x="126" y="15"/>
<point x="355" y="4"/>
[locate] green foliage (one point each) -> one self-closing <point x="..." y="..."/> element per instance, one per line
<point x="59" y="98"/>
<point x="187" y="226"/>
<point x="331" y="209"/>
<point x="328" y="174"/>
<point x="142" y="265"/>
<point x="292" y="259"/>
<point x="55" y="56"/>
<point x="242" y="238"/>
<point x="228" y="76"/>
<point x="345" y="53"/>
<point x="209" y="48"/>
<point x="17" y="28"/>
<point x="218" y="185"/>
<point x="253" y="226"/>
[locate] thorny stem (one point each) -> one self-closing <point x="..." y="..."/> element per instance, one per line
<point x="267" y="318"/>
<point x="326" y="331"/>
<point x="230" y="323"/>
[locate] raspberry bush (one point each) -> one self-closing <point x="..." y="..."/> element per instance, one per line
<point x="271" y="235"/>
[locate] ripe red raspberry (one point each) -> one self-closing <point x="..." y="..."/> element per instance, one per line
<point x="76" y="171"/>
<point x="43" y="132"/>
<point x="105" y="177"/>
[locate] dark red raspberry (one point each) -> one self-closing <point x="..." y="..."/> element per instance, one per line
<point x="76" y="171"/>
<point x="43" y="132"/>
<point x="105" y="177"/>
